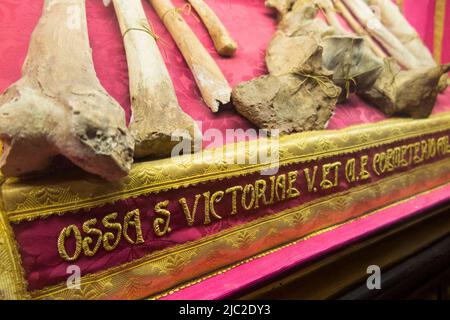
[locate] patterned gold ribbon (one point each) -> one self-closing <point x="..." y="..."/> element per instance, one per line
<point x="401" y="5"/>
<point x="439" y="20"/>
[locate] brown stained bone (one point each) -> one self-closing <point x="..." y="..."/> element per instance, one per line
<point x="210" y="80"/>
<point x="156" y="113"/>
<point x="290" y="103"/>
<point x="59" y="107"/>
<point x="396" y="22"/>
<point x="297" y="37"/>
<point x="409" y="93"/>
<point x="329" y="11"/>
<point x="223" y="42"/>
<point x="281" y="6"/>
<point x="286" y="54"/>
<point x="301" y="19"/>
<point x="355" y="67"/>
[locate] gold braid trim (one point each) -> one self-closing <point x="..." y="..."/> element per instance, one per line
<point x="12" y="276"/>
<point x="439" y="20"/>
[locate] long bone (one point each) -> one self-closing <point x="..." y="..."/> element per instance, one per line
<point x="156" y="112"/>
<point x="223" y="42"/>
<point x="373" y="25"/>
<point x="356" y="26"/>
<point x="59" y="107"/>
<point x="213" y="86"/>
<point x="328" y="9"/>
<point x="395" y="22"/>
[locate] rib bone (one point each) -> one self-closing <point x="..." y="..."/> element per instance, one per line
<point x="59" y="105"/>
<point x="223" y="42"/>
<point x="156" y="112"/>
<point x="213" y="86"/>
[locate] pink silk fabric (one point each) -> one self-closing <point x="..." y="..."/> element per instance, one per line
<point x="250" y="23"/>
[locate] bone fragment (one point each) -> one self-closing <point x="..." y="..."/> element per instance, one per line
<point x="296" y="39"/>
<point x="59" y="107"/>
<point x="354" y="66"/>
<point x="331" y="15"/>
<point x="406" y="92"/>
<point x="213" y="86"/>
<point x="223" y="42"/>
<point x="281" y="6"/>
<point x="156" y="112"/>
<point x="294" y="102"/>
<point x="301" y="19"/>
<point x="396" y="22"/>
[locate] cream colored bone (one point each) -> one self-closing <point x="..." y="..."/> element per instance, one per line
<point x="213" y="86"/>
<point x="356" y="26"/>
<point x="223" y="42"/>
<point x="59" y="107"/>
<point x="331" y="16"/>
<point x="374" y="26"/>
<point x="156" y="112"/>
<point x="395" y="22"/>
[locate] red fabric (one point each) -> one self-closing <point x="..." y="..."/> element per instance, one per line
<point x="248" y="21"/>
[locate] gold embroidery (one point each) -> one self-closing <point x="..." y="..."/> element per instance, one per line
<point x="260" y="192"/>
<point x="439" y="23"/>
<point x="350" y="170"/>
<point x="133" y="219"/>
<point x="108" y="236"/>
<point x="87" y="228"/>
<point x="161" y="208"/>
<point x="280" y="185"/>
<point x="233" y="191"/>
<point x="292" y="192"/>
<point x="326" y="170"/>
<point x="272" y="190"/>
<point x="215" y="198"/>
<point x="65" y="233"/>
<point x="249" y="188"/>
<point x="190" y="216"/>
<point x="311" y="180"/>
<point x="364" y="174"/>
